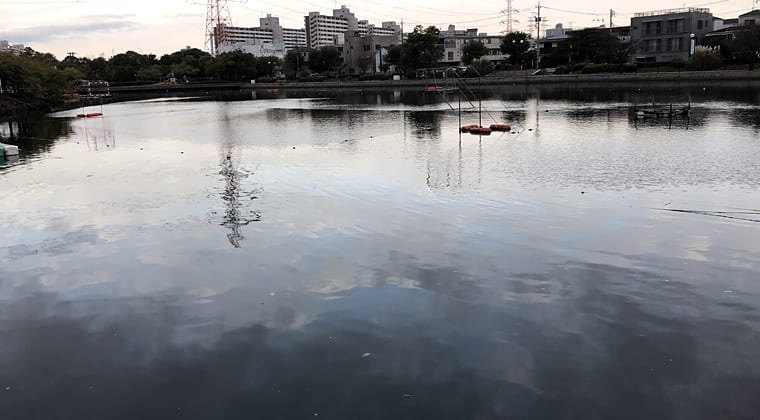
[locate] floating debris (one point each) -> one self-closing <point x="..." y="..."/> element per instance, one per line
<point x="736" y="215"/>
<point x="406" y="396"/>
<point x="365" y="355"/>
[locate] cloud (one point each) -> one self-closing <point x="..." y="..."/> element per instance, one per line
<point x="195" y="16"/>
<point x="46" y="33"/>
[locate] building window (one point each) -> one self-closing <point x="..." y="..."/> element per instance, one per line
<point x="451" y="55"/>
<point x="699" y="24"/>
<point x="658" y="28"/>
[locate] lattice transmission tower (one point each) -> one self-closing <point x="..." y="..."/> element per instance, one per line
<point x="509" y="18"/>
<point x="217" y="19"/>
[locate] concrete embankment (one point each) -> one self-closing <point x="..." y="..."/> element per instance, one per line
<point x="524" y="78"/>
<point x="501" y="78"/>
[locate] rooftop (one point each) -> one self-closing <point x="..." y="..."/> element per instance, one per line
<point x="672" y="11"/>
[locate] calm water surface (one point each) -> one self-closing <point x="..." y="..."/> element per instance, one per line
<point x="356" y="258"/>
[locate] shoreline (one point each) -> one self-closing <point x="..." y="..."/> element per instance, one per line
<point x="11" y="107"/>
<point x="496" y="79"/>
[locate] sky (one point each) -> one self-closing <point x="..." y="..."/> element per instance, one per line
<point x="94" y="28"/>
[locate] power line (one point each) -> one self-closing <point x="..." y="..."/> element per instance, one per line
<point x="573" y="11"/>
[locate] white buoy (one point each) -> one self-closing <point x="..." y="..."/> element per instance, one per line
<point x="10" y="150"/>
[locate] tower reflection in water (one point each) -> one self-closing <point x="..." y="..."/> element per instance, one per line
<point x="236" y="215"/>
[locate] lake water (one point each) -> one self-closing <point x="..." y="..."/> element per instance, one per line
<point x="355" y="257"/>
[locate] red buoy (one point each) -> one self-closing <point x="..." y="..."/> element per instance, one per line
<point x="484" y="131"/>
<point x="500" y="127"/>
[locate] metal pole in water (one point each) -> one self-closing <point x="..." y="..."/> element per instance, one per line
<point x="480" y="106"/>
<point x="459" y="96"/>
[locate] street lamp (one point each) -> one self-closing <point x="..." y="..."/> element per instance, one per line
<point x="514" y="43"/>
<point x="692" y="44"/>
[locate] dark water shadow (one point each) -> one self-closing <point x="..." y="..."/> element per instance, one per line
<point x="34" y="135"/>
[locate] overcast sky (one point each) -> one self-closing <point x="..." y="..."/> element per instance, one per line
<point x="105" y="27"/>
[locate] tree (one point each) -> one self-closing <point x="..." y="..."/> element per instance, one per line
<point x="364" y="62"/>
<point x="421" y="49"/>
<point x="292" y="63"/>
<point x="473" y="50"/>
<point x="125" y="66"/>
<point x="595" y="45"/>
<point x="516" y="45"/>
<point x="324" y="59"/>
<point x="746" y="45"/>
<point x="98" y="69"/>
<point x="235" y="66"/>
<point x="266" y="66"/>
<point x="28" y="77"/>
<point x="621" y="53"/>
<point x="394" y="56"/>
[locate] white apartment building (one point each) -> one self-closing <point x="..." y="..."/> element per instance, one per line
<point x="256" y="47"/>
<point x="387" y="29"/>
<point x="14" y="49"/>
<point x="324" y="30"/>
<point x="558" y="32"/>
<point x="269" y="31"/>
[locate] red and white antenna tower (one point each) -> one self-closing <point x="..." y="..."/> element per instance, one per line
<point x="217" y="18"/>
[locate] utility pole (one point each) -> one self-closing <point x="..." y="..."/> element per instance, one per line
<point x="538" y="35"/>
<point x="509" y="16"/>
<point x="612" y="14"/>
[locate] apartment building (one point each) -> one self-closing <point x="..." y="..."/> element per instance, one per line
<point x="14" y="49"/>
<point x="665" y="35"/>
<point x="454" y="39"/>
<point x="325" y="30"/>
<point x="750" y="18"/>
<point x="365" y="54"/>
<point x="269" y="31"/>
<point x="257" y="47"/>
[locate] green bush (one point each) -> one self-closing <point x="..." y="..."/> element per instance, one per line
<point x="571" y="68"/>
<point x="608" y="68"/>
<point x="594" y="68"/>
<point x="705" y="58"/>
<point x="482" y="66"/>
<point x="312" y="79"/>
<point x="374" y="76"/>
